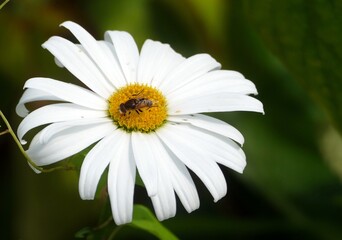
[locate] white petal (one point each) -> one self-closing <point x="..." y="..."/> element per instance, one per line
<point x="181" y="180"/>
<point x="31" y="95"/>
<point x="56" y="113"/>
<point x="121" y="180"/>
<point x="220" y="81"/>
<point x="79" y="64"/>
<point x="127" y="53"/>
<point x="214" y="147"/>
<point x="50" y="131"/>
<point x="191" y="153"/>
<point x="166" y="65"/>
<point x="210" y="124"/>
<point x="145" y="158"/>
<point x="187" y="71"/>
<point x="118" y="80"/>
<point x="95" y="163"/>
<point x="68" y="92"/>
<point x="220" y="102"/>
<point x="164" y="202"/>
<point x="67" y="143"/>
<point x="184" y="185"/>
<point x="171" y="169"/>
<point x="95" y="51"/>
<point x="58" y="63"/>
<point x="156" y="61"/>
<point x="118" y="76"/>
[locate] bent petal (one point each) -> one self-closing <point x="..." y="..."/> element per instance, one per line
<point x="56" y="113"/>
<point x="67" y="143"/>
<point x="50" y="131"/>
<point x="31" y="95"/>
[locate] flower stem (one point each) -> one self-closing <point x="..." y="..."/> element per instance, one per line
<point x="114" y="232"/>
<point x="4" y="3"/>
<point x="104" y="224"/>
<point x="4" y="132"/>
<point x="22" y="150"/>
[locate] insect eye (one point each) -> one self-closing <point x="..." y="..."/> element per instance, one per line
<point x="122" y="108"/>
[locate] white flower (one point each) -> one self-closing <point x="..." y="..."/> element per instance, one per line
<point x="141" y="111"/>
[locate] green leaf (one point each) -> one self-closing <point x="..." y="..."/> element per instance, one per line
<point x="145" y="220"/>
<point x="83" y="232"/>
<point x="306" y="37"/>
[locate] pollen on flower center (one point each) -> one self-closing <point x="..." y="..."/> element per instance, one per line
<point x="138" y="107"/>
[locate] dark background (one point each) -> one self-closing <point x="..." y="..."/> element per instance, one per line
<point x="291" y="50"/>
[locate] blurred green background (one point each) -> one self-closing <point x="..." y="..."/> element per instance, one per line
<point x="291" y="50"/>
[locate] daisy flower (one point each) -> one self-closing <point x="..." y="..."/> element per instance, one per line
<point x="141" y="111"/>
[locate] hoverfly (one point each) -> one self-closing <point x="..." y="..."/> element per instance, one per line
<point x="135" y="104"/>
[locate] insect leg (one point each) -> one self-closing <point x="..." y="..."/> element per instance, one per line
<point x="137" y="94"/>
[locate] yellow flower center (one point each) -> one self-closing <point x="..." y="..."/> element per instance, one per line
<point x="138" y="107"/>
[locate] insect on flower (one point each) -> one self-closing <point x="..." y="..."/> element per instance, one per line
<point x="135" y="104"/>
